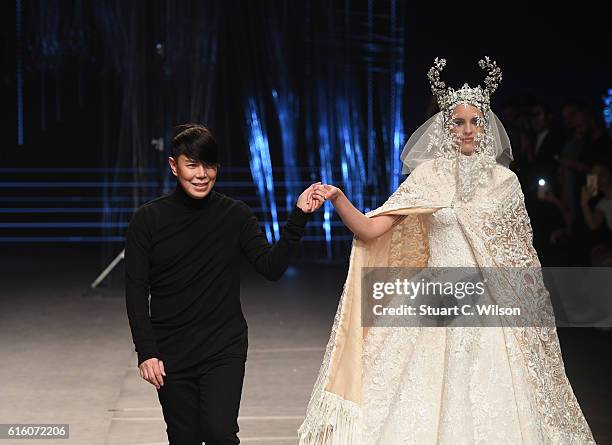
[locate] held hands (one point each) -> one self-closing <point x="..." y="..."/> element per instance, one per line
<point x="323" y="192"/>
<point x="306" y="202"/>
<point x="152" y="371"/>
<point x="314" y="196"/>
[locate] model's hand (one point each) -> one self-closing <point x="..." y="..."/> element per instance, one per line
<point x="324" y="192"/>
<point x="152" y="371"/>
<point x="305" y="200"/>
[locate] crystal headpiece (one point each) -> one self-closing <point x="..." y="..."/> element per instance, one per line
<point x="448" y="97"/>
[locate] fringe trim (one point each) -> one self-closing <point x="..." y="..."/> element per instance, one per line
<point x="332" y="421"/>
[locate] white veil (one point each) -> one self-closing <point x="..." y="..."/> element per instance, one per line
<point x="427" y="142"/>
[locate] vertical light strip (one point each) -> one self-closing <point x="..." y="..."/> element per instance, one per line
<point x="19" y="74"/>
<point x="325" y="162"/>
<point x="286" y="109"/>
<point x="372" y="176"/>
<point x="607" y="111"/>
<point x="397" y="87"/>
<point x="261" y="169"/>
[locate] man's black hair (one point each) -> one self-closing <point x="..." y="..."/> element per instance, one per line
<point x="196" y="142"/>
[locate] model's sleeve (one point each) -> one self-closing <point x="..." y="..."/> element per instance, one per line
<point x="271" y="260"/>
<point x="137" y="249"/>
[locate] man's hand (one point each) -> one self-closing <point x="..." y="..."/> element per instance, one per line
<point x="152" y="371"/>
<point x="306" y="202"/>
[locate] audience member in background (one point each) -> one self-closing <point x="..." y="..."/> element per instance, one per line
<point x="598" y="147"/>
<point x="589" y="146"/>
<point x="574" y="123"/>
<point x="599" y="218"/>
<point x="516" y="120"/>
<point x="548" y="140"/>
<point x="594" y="142"/>
<point x="569" y="110"/>
<point x="550" y="221"/>
<point x="541" y="185"/>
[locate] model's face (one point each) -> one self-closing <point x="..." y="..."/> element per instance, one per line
<point x="196" y="178"/>
<point x="466" y="124"/>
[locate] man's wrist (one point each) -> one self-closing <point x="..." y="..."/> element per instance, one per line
<point x="298" y="216"/>
<point x="146" y="355"/>
<point x="298" y="206"/>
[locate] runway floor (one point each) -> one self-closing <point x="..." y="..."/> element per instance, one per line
<point x="67" y="355"/>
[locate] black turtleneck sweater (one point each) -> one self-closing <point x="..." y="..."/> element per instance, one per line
<point x="186" y="253"/>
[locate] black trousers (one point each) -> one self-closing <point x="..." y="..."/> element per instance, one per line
<point x="201" y="404"/>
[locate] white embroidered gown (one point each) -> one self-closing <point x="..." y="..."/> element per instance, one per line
<point x="457" y="385"/>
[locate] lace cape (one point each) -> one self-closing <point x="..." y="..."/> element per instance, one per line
<point x="497" y="227"/>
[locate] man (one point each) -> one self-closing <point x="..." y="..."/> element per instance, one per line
<point x="548" y="140"/>
<point x="599" y="218"/>
<point x="184" y="250"/>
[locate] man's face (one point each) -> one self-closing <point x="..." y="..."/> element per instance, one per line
<point x="581" y="125"/>
<point x="569" y="116"/>
<point x="197" y="179"/>
<point x="539" y="119"/>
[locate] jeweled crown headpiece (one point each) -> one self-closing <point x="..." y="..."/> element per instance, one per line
<point x="448" y="97"/>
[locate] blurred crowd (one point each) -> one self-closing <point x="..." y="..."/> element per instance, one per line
<point x="563" y="159"/>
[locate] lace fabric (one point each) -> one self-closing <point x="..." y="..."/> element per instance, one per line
<point x="502" y="385"/>
<point x="463" y="385"/>
<point x="446" y="385"/>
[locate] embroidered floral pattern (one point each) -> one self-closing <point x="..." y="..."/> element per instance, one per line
<point x="508" y="236"/>
<point x="459" y="386"/>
